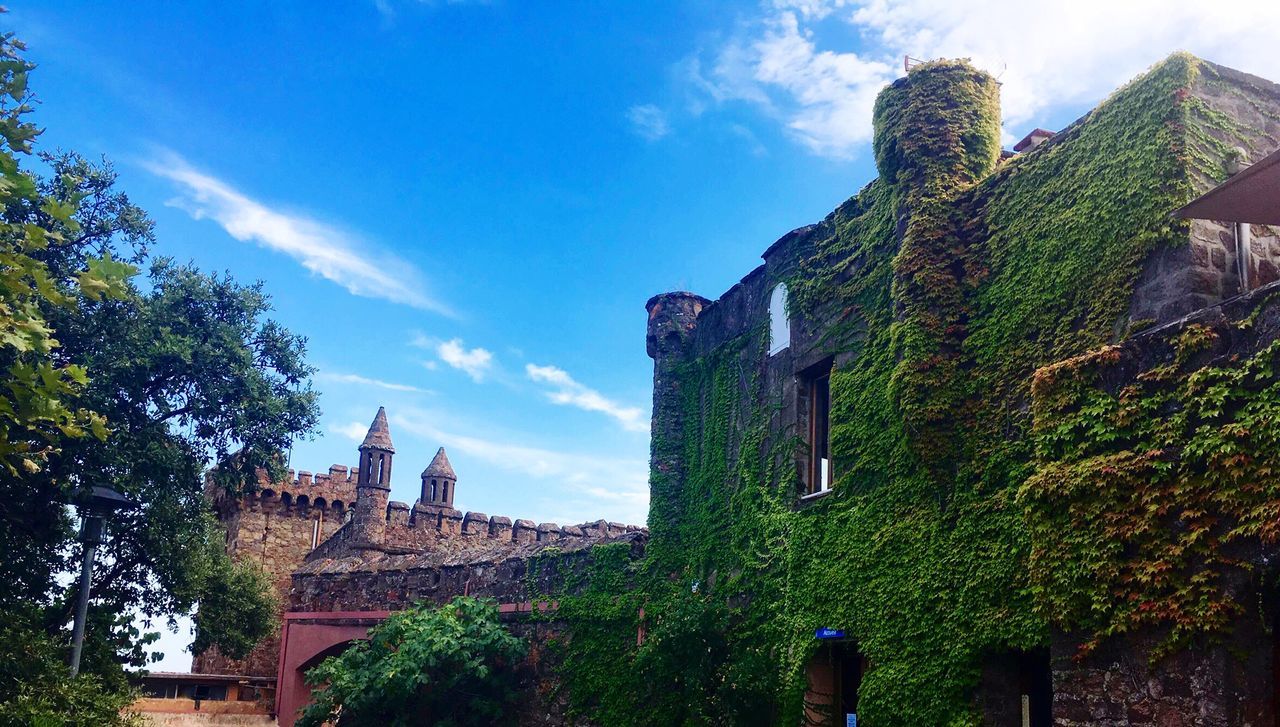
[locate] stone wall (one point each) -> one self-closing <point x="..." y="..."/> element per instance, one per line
<point x="1179" y="280"/>
<point x="1121" y="684"/>
<point x="424" y="528"/>
<point x="1233" y="681"/>
<point x="276" y="528"/>
<point x="489" y="569"/>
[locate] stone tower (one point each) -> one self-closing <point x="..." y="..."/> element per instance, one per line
<point x="373" y="484"/>
<point x="439" y="482"/>
<point x="673" y="322"/>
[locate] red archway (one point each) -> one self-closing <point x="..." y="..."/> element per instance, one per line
<point x="305" y="640"/>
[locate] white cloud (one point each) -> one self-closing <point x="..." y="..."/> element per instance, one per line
<point x="649" y="121"/>
<point x="363" y="381"/>
<point x="354" y="431"/>
<point x="598" y="485"/>
<point x="1046" y="55"/>
<point x="567" y="391"/>
<point x="475" y="362"/>
<point x="326" y="250"/>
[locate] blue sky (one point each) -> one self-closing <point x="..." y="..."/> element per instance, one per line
<point x="464" y="205"/>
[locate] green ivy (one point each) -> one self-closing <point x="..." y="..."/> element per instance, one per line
<point x="944" y="284"/>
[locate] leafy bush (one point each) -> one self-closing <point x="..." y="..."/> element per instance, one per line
<point x="452" y="665"/>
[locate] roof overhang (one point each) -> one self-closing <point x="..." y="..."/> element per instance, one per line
<point x="1251" y="196"/>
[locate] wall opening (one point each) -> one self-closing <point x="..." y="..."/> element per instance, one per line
<point x="1017" y="689"/>
<point x="816" y="389"/>
<point x="834" y="676"/>
<point x="779" y="324"/>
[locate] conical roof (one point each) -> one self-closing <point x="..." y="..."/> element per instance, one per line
<point x="440" y="467"/>
<point x="379" y="436"/>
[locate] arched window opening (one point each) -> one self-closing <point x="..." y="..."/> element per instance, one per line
<point x="435" y="491"/>
<point x="444" y="491"/>
<point x="779" y="324"/>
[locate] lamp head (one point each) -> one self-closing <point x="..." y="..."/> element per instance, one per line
<point x="103" y="502"/>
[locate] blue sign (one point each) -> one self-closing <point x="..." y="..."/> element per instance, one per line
<point x="828" y="633"/>
<point x="851" y="720"/>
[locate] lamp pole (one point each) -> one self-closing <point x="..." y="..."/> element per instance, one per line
<point x="94" y="509"/>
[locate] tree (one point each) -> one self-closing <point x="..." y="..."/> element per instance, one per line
<point x="452" y="665"/>
<point x="136" y="382"/>
<point x="34" y="414"/>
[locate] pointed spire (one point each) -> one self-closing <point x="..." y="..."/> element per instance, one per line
<point x="379" y="436"/>
<point x="440" y="467"/>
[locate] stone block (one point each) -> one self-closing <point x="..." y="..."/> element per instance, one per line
<point x="500" y="527"/>
<point x="525" y="531"/>
<point x="451" y="522"/>
<point x="475" y="524"/>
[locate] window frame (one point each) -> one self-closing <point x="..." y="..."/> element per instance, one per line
<point x="816" y="383"/>
<point x="777" y="347"/>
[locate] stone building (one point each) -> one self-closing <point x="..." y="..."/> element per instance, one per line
<point x="956" y="422"/>
<point x="343" y="557"/>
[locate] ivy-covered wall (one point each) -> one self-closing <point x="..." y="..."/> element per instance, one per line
<point x="936" y="291"/>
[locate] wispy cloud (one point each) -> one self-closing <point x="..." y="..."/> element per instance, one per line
<point x="359" y="380"/>
<point x="616" y="485"/>
<point x="326" y="250"/>
<point x="353" y="430"/>
<point x="565" y="390"/>
<point x="648" y="121"/>
<point x="784" y="63"/>
<point x="475" y="362"/>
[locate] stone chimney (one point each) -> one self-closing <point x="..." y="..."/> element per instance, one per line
<point x="1032" y="140"/>
<point x="373" y="485"/>
<point x="439" y="483"/>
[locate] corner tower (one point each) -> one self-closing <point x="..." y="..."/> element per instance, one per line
<point x="439" y="483"/>
<point x="373" y="484"/>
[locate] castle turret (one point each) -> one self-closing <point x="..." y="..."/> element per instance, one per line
<point x="438" y="482"/>
<point x="670" y="342"/>
<point x="373" y="484"/>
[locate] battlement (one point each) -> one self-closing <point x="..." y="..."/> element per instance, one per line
<point x="420" y="528"/>
<point x="300" y="492"/>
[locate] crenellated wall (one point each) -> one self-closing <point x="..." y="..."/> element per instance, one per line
<point x="275" y="528"/>
<point x="492" y="568"/>
<point x="423" y="528"/>
<point x="304" y="518"/>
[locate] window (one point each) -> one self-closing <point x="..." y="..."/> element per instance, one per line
<point x="779" y="325"/>
<point x="818" y="389"/>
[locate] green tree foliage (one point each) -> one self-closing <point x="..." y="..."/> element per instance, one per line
<point x="452" y="665"/>
<point x="135" y="382"/>
<point x="36" y="692"/>
<point x="35" y="413"/>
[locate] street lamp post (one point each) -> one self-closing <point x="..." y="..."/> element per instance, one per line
<point x="94" y="509"/>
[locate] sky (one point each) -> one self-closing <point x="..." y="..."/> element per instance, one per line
<point x="464" y="204"/>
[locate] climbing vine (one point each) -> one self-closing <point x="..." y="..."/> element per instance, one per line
<point x="941" y="287"/>
<point x="1146" y="499"/>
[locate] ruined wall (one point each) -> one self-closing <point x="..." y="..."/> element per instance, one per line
<point x="276" y="528"/>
